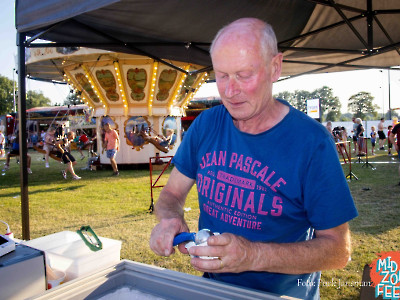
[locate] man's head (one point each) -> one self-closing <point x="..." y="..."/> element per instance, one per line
<point x="246" y="63"/>
<point x="267" y="38"/>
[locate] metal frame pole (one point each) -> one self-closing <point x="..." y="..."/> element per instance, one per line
<point x="23" y="149"/>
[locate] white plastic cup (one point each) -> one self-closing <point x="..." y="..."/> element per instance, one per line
<point x="56" y="278"/>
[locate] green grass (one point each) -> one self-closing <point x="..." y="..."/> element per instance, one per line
<point x="117" y="207"/>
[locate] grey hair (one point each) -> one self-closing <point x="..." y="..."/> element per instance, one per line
<point x="268" y="41"/>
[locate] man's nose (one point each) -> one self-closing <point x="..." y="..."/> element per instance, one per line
<point x="232" y="88"/>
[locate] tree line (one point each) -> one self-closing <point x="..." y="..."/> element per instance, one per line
<point x="33" y="98"/>
<point x="359" y="105"/>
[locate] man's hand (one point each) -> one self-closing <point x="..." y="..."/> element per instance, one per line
<point x="234" y="254"/>
<point x="163" y="234"/>
<point x="330" y="249"/>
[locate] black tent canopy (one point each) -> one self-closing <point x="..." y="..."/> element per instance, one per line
<point x="314" y="35"/>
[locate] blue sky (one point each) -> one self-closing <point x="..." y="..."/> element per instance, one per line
<point x="344" y="84"/>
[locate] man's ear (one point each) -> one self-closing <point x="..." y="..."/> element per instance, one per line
<point x="276" y="67"/>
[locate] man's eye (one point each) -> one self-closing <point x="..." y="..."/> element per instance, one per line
<point x="243" y="76"/>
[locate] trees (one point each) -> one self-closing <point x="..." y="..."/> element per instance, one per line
<point x="330" y="104"/>
<point x="73" y="99"/>
<point x="36" y="99"/>
<point x="6" y="95"/>
<point x="33" y="98"/>
<point x="361" y="104"/>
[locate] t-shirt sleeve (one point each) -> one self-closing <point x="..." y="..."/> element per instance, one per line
<point x="327" y="198"/>
<point x="185" y="159"/>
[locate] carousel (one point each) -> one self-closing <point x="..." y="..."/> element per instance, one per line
<point x="141" y="98"/>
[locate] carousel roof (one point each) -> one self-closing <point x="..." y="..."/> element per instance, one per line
<point x="119" y="83"/>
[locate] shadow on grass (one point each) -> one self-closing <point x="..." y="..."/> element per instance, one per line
<point x="70" y="188"/>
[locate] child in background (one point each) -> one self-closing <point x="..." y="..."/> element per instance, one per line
<point x="48" y="144"/>
<point x="2" y="144"/>
<point x="390" y="145"/>
<point x="373" y="139"/>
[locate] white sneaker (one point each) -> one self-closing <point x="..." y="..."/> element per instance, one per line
<point x="76" y="177"/>
<point x="64" y="174"/>
<point x="47" y="165"/>
<point x="6" y="167"/>
<point x="29" y="170"/>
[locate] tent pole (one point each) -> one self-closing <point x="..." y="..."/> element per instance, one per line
<point x="390" y="109"/>
<point x="23" y="149"/>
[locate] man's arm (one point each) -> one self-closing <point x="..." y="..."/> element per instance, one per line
<point x="330" y="249"/>
<point x="169" y="212"/>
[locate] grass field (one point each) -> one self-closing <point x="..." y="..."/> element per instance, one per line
<point x="117" y="207"/>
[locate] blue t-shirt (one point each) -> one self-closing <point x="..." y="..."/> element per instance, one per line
<point x="276" y="186"/>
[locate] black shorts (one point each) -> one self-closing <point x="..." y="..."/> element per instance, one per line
<point x="381" y="135"/>
<point x="66" y="157"/>
<point x="14" y="152"/>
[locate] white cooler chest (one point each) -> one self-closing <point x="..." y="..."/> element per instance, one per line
<point x="67" y="252"/>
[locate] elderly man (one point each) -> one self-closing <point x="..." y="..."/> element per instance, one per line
<point x="282" y="211"/>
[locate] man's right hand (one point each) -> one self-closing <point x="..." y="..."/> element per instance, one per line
<point x="163" y="234"/>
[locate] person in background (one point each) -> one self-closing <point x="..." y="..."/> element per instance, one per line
<point x="111" y="144"/>
<point x="354" y="131"/>
<point x="393" y="136"/>
<point x="373" y="139"/>
<point x="2" y="144"/>
<point x="381" y="134"/>
<point x="63" y="151"/>
<point x="390" y="144"/>
<point x="360" y="137"/>
<point x="34" y="138"/>
<point x="169" y="139"/>
<point x="84" y="143"/>
<point x="15" y="152"/>
<point x="42" y="135"/>
<point x="49" y="144"/>
<point x="281" y="218"/>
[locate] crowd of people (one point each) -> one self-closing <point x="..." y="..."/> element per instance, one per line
<point x="57" y="144"/>
<point x="360" y="139"/>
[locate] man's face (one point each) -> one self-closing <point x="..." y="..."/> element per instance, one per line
<point x="107" y="127"/>
<point x="244" y="78"/>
